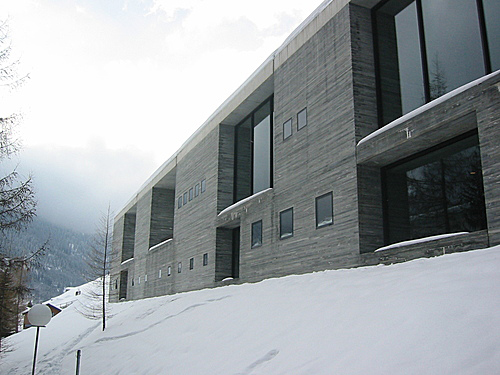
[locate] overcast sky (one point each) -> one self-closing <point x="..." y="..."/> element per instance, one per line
<point x="116" y="87"/>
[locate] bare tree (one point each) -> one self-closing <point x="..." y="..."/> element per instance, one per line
<point x="95" y="305"/>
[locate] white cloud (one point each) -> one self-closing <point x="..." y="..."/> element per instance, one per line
<point x="141" y="74"/>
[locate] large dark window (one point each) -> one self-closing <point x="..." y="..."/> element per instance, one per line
<point x="426" y="48"/>
<point x="253" y="155"/>
<point x="436" y="192"/>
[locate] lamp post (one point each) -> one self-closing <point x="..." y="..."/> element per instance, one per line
<point x="38" y="316"/>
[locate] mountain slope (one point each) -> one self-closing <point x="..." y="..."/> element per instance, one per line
<point x="63" y="263"/>
<point x="428" y="316"/>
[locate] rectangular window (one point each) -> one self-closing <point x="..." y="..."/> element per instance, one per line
<point x="197" y="190"/>
<point x="257" y="234"/>
<point x="169" y="270"/>
<point x="191" y="263"/>
<point x="253" y="152"/>
<point x="287" y="129"/>
<point x="159" y="274"/>
<point x="185" y="198"/>
<point x="205" y="259"/>
<point x="436" y="192"/>
<point x="286" y="223"/>
<point x="191" y="194"/>
<point x="179" y="202"/>
<point x="145" y="278"/>
<point x="179" y="267"/>
<point x="203" y="185"/>
<point x="302" y="119"/>
<point x="324" y="210"/>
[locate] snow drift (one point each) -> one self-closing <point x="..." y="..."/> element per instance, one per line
<point x="427" y="316"/>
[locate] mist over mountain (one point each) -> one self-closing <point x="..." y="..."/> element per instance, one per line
<point x="63" y="264"/>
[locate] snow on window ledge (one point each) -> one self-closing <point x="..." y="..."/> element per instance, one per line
<point x="428" y="106"/>
<point x="128" y="260"/>
<point x="160" y="244"/>
<point x="419" y="240"/>
<point x="243" y="201"/>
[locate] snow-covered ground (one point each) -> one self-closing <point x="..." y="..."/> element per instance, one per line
<point x="427" y="316"/>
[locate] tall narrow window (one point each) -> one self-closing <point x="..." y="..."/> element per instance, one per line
<point x="287" y="129"/>
<point x="185" y="198"/>
<point x="191" y="263"/>
<point x="286" y="223"/>
<point x="191" y="194"/>
<point x="302" y="119"/>
<point x="257" y="234"/>
<point x="253" y="152"/>
<point x="179" y="267"/>
<point x="197" y="190"/>
<point x="179" y="202"/>
<point x="205" y="259"/>
<point x="203" y="185"/>
<point x="169" y="270"/>
<point x="324" y="210"/>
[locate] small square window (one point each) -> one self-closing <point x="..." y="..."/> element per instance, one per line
<point x="324" y="210"/>
<point x="203" y="185"/>
<point x="191" y="263"/>
<point x="185" y="198"/>
<point x="287" y="129"/>
<point x="257" y="234"/>
<point x="179" y="202"/>
<point x="191" y="194"/>
<point x="205" y="259"/>
<point x="169" y="270"/>
<point x="302" y="119"/>
<point x="197" y="190"/>
<point x="286" y="223"/>
<point x="179" y="267"/>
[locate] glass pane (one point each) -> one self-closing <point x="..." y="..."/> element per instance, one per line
<point x="401" y="76"/>
<point x="302" y="119"/>
<point x="243" y="160"/>
<point x="440" y="192"/>
<point x="286" y="223"/>
<point x="287" y="129"/>
<point x="257" y="234"/>
<point x="453" y="44"/>
<point x="324" y="210"/>
<point x="262" y="155"/>
<point x="492" y="16"/>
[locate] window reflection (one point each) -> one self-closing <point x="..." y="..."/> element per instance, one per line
<point x="453" y="43"/>
<point x="426" y="48"/>
<point x="440" y="192"/>
<point x="253" y="158"/>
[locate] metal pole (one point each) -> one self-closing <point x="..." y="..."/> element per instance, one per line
<point x="78" y="355"/>
<point x="36" y="347"/>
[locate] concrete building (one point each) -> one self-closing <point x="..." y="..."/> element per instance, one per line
<point x="374" y="124"/>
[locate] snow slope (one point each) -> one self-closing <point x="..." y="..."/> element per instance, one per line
<point x="427" y="316"/>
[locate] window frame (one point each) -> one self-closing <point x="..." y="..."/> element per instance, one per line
<point x="205" y="259"/>
<point x="288" y="124"/>
<point x="318" y="223"/>
<point x="191" y="263"/>
<point x="261" y="242"/>
<point x="299" y="126"/>
<point x="284" y="236"/>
